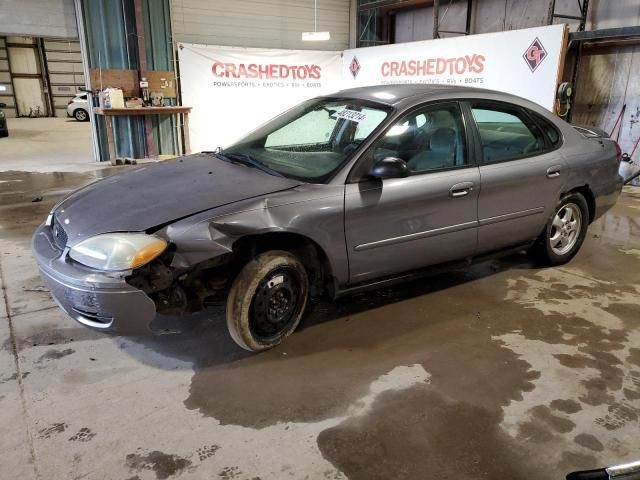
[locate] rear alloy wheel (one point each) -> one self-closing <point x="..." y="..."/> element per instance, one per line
<point x="565" y="231"/>
<point x="80" y="115"/>
<point x="267" y="300"/>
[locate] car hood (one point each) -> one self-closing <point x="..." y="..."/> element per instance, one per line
<point x="156" y="194"/>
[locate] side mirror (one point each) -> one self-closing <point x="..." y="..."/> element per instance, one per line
<point x="3" y="105"/>
<point x="390" y="167"/>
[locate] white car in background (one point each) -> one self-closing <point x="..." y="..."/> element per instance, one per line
<point x="78" y="107"/>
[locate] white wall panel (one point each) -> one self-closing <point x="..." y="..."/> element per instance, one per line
<point x="64" y="65"/>
<point x="29" y="96"/>
<point x="38" y="18"/>
<point x="24" y="60"/>
<point x="260" y="23"/>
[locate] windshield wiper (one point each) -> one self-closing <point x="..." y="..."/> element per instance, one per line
<point x="245" y="159"/>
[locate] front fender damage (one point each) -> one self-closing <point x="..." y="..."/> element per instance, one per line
<point x="197" y="270"/>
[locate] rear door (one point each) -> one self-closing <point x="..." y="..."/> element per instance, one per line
<point x="522" y="174"/>
<point x="399" y="224"/>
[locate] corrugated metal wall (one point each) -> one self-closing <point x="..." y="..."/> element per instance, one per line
<point x="64" y="66"/>
<point x="112" y="44"/>
<point x="255" y="23"/>
<point x="160" y="56"/>
<point x="500" y="15"/>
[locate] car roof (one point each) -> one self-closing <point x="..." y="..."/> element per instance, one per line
<point x="394" y="94"/>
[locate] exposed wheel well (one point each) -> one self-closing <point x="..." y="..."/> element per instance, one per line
<point x="309" y="252"/>
<point x="586" y="192"/>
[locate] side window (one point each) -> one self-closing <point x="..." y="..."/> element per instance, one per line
<point x="428" y="139"/>
<point x="551" y="131"/>
<point x="507" y="134"/>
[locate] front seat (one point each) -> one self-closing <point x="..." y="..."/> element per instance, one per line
<point x="441" y="153"/>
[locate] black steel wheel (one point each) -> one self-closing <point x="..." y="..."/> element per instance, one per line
<point x="267" y="300"/>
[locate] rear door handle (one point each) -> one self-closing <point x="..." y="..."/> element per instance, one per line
<point x="553" y="172"/>
<point x="461" y="189"/>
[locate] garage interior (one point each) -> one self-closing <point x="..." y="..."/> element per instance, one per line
<point x="500" y="370"/>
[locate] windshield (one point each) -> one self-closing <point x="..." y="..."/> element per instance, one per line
<point x="312" y="140"/>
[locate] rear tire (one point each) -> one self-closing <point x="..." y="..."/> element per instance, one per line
<point x="81" y="115"/>
<point x="267" y="300"/>
<point x="564" y="232"/>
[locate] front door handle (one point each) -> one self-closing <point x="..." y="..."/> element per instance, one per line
<point x="553" y="172"/>
<point x="461" y="189"/>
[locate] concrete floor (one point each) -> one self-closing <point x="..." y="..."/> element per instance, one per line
<point x="47" y="145"/>
<point x="500" y="371"/>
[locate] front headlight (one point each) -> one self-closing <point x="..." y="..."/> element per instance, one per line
<point x="118" y="251"/>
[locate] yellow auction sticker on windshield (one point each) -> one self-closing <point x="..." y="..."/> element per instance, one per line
<point x="352" y="115"/>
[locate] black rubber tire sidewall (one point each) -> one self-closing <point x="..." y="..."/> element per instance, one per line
<point x="241" y="295"/>
<point x="544" y="251"/>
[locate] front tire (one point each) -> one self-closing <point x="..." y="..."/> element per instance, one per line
<point x="267" y="300"/>
<point x="565" y="231"/>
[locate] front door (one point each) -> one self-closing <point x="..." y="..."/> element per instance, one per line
<point x="430" y="217"/>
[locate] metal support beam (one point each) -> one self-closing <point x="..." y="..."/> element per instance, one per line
<point x="436" y="18"/>
<point x="605" y="34"/>
<point x="142" y="67"/>
<point x="467" y="27"/>
<point x="584" y="8"/>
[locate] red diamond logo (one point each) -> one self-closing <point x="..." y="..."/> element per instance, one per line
<point x="535" y="54"/>
<point x="354" y="67"/>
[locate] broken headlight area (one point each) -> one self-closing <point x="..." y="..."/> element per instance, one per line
<point x="178" y="291"/>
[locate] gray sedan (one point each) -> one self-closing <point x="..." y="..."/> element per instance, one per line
<point x="344" y="192"/>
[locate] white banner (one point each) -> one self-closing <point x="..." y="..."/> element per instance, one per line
<point x="234" y="90"/>
<point x="521" y="62"/>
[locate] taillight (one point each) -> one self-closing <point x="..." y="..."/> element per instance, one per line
<point x="618" y="152"/>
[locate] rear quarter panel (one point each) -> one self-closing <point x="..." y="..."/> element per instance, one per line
<point x="592" y="162"/>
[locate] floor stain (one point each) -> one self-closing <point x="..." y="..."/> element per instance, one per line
<point x="164" y="465"/>
<point x="417" y="431"/>
<point x="55" y="354"/>
<point x="52" y="430"/>
<point x="83" y="435"/>
<point x="589" y="441"/>
<point x="207" y="451"/>
<point x="229" y="473"/>
<point x="565" y="405"/>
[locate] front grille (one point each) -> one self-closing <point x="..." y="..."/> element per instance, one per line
<point x="59" y="235"/>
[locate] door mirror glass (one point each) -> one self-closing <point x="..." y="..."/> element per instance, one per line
<point x="390" y="167"/>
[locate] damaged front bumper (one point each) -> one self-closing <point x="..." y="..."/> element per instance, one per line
<point x="94" y="299"/>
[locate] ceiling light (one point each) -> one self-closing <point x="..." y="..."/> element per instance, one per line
<point x="315" y="36"/>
